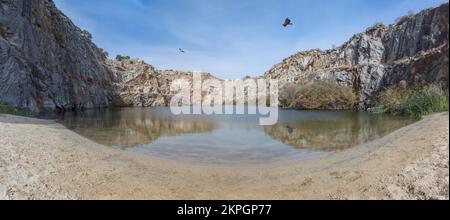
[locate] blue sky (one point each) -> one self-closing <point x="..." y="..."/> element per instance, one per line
<point x="228" y="38"/>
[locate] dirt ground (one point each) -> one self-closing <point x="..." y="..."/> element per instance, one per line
<point x="41" y="159"/>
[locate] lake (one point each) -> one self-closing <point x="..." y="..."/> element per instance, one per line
<point x="230" y="139"/>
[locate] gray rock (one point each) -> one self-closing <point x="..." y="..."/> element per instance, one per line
<point x="46" y="61"/>
<point x="412" y="52"/>
<point x="137" y="83"/>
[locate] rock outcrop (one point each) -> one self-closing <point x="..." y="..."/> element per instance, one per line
<point x="48" y="63"/>
<point x="412" y="52"/>
<point x="137" y="83"/>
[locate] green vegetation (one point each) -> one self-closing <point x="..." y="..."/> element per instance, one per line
<point x="60" y="35"/>
<point x="87" y="34"/>
<point x="318" y="96"/>
<point x="375" y="26"/>
<point x="414" y="102"/>
<point x="14" y="111"/>
<point x="104" y="52"/>
<point x="120" y="57"/>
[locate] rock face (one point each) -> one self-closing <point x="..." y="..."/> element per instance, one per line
<point x="137" y="83"/>
<point x="46" y="62"/>
<point x="414" y="51"/>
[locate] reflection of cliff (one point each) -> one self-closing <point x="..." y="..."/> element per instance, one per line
<point x="131" y="128"/>
<point x="334" y="134"/>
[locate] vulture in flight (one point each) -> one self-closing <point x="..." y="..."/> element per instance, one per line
<point x="181" y="50"/>
<point x="287" y="22"/>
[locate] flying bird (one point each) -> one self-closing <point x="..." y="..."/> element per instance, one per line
<point x="181" y="50"/>
<point x="287" y="22"/>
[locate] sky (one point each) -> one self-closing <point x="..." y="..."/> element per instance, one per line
<point x="228" y="38"/>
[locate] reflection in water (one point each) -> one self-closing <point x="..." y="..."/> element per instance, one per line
<point x="230" y="139"/>
<point x="131" y="127"/>
<point x="338" y="133"/>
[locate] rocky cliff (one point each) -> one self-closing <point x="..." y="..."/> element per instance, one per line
<point x="46" y="62"/>
<point x="137" y="83"/>
<point x="412" y="52"/>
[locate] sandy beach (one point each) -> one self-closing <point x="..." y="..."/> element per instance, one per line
<point x="40" y="159"/>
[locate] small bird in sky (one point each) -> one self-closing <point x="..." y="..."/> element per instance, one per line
<point x="181" y="50"/>
<point x="287" y="22"/>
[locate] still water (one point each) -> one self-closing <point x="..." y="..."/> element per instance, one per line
<point x="230" y="139"/>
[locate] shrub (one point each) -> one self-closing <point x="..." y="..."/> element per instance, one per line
<point x="104" y="52"/>
<point x="87" y="34"/>
<point x="60" y="35"/>
<point x="14" y="111"/>
<point x="414" y="102"/>
<point x="288" y="94"/>
<point x="377" y="25"/>
<point x="120" y="57"/>
<point x="320" y="96"/>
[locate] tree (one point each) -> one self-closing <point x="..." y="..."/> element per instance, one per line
<point x="104" y="52"/>
<point x="120" y="57"/>
<point x="376" y="26"/>
<point x="87" y="34"/>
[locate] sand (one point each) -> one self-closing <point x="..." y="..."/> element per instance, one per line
<point x="41" y="159"/>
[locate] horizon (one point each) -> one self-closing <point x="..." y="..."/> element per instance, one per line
<point x="227" y="39"/>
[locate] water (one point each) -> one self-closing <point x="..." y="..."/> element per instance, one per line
<point x="230" y="139"/>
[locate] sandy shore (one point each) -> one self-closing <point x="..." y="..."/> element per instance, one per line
<point x="41" y="159"/>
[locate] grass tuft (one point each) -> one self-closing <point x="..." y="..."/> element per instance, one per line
<point x="14" y="111"/>
<point x="414" y="102"/>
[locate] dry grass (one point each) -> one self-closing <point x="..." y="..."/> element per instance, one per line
<point x="288" y="94"/>
<point x="318" y="96"/>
